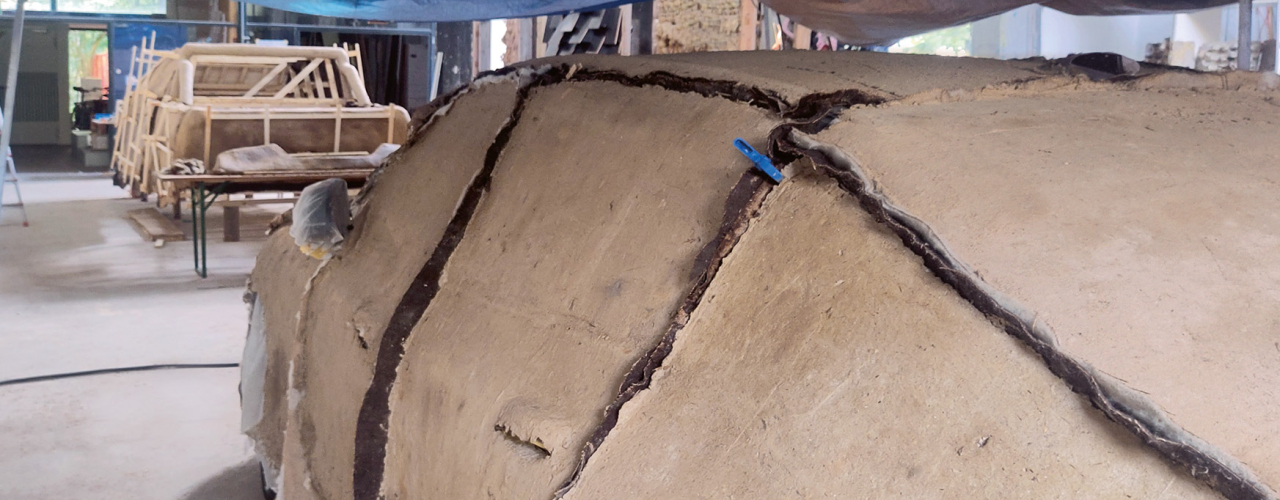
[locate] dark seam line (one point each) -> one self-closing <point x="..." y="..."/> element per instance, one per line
<point x="1199" y="464"/>
<point x="372" y="425"/>
<point x="811" y="114"/>
<point x="740" y="208"/>
<point x="369" y="462"/>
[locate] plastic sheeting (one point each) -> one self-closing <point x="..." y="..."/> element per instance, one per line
<point x="437" y="10"/>
<point x="320" y="218"/>
<point x="859" y="22"/>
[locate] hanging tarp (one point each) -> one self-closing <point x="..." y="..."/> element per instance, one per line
<point x="867" y="22"/>
<point x="437" y="10"/>
<point x="858" y="22"/>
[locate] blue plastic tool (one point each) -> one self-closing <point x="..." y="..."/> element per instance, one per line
<point x="762" y="162"/>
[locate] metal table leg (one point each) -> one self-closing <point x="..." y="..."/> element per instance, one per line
<point x="195" y="224"/>
<point x="201" y="199"/>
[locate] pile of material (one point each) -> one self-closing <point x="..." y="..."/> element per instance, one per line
<point x="978" y="279"/>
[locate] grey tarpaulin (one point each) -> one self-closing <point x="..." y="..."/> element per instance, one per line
<point x="859" y="22"/>
<point x="253" y="370"/>
<point x="864" y="22"/>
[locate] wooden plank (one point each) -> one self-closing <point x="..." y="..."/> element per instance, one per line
<point x="208" y="134"/>
<point x="245" y="101"/>
<point x="230" y="60"/>
<point x="257" y="201"/>
<point x="337" y="130"/>
<point x="336" y="154"/>
<point x="748" y="21"/>
<point x="329" y="86"/>
<point x="267" y="176"/>
<point x="803" y="35"/>
<point x="153" y="225"/>
<point x="391" y="123"/>
<point x="360" y="61"/>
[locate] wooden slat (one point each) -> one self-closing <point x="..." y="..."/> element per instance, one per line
<point x="230" y="60"/>
<point x="155" y="226"/>
<point x="391" y="123"/>
<point x="271" y="75"/>
<point x="298" y="78"/>
<point x="208" y="134"/>
<point x="337" y="129"/>
<point x="330" y="86"/>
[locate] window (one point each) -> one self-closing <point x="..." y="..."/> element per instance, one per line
<point x="145" y="7"/>
<point x="944" y="42"/>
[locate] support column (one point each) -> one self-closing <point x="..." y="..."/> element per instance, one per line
<point x="242" y="26"/>
<point x="484" y="46"/>
<point x="1244" y="40"/>
<point x="642" y="28"/>
<point x="453" y="41"/>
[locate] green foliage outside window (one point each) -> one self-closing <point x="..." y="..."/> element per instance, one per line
<point x="82" y="45"/>
<point x="92" y="6"/>
<point x="944" y="42"/>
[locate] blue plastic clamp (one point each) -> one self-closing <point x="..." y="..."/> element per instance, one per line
<point x="762" y="162"/>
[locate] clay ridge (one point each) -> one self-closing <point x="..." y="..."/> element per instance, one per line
<point x="1120" y="404"/>
<point x="742" y="205"/>
<point x="807" y="108"/>
<point x="743" y="202"/>
<point x="811" y="114"/>
<point x="372" y="424"/>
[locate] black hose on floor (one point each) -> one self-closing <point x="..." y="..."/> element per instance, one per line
<point x="104" y="371"/>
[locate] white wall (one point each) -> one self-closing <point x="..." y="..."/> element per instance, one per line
<point x="1198" y="27"/>
<point x="1012" y="35"/>
<point x="1064" y="34"/>
<point x="44" y="50"/>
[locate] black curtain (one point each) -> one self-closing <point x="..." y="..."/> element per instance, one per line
<point x="384" y="62"/>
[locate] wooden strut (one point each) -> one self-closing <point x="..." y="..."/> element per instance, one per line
<point x="259" y="87"/>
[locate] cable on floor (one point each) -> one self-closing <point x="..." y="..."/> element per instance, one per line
<point x="104" y="371"/>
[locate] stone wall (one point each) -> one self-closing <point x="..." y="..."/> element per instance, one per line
<point x="695" y="25"/>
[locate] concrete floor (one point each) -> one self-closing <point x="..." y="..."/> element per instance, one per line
<point x="81" y="290"/>
<point x="49" y="159"/>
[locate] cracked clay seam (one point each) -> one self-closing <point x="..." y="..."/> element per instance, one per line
<point x="1121" y="404"/>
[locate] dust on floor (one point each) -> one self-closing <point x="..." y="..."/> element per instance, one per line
<point x="81" y="290"/>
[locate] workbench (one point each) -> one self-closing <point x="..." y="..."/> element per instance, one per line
<point x="205" y="188"/>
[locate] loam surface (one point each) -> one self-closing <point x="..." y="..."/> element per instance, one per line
<point x="1138" y="223"/>
<point x="354" y="294"/>
<point x="570" y="270"/>
<point x="280" y="278"/>
<point x="1141" y="226"/>
<point x="827" y="362"/>
<point x="795" y="74"/>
